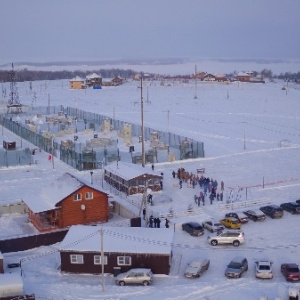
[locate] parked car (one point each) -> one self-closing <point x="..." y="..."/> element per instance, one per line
<point x="263" y="269"/>
<point x="212" y="226"/>
<point x="231" y="223"/>
<point x="135" y="276"/>
<point x="255" y="215"/>
<point x="193" y="228"/>
<point x="238" y="215"/>
<point x="298" y="201"/>
<point x="273" y="211"/>
<point x="291" y="272"/>
<point x="196" y="268"/>
<point x="227" y="237"/>
<point x="236" y="267"/>
<point x="292" y="207"/>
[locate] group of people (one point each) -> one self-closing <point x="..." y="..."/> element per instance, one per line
<point x="207" y="185"/>
<point x="155" y="222"/>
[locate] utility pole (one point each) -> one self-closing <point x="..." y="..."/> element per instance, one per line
<point x="102" y="259"/>
<point x="195" y="82"/>
<point x="142" y="121"/>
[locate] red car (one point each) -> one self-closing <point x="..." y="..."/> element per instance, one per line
<point x="291" y="272"/>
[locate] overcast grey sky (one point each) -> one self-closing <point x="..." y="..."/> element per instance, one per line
<point x="59" y="30"/>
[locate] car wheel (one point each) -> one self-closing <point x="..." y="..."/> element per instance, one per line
<point x="211" y="230"/>
<point x="122" y="283"/>
<point x="246" y="268"/>
<point x="255" y="219"/>
<point x="214" y="243"/>
<point x="236" y="243"/>
<point x="145" y="283"/>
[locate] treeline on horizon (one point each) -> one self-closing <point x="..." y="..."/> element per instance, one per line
<point x="30" y="75"/>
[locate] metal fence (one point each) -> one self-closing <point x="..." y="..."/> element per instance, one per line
<point x="81" y="157"/>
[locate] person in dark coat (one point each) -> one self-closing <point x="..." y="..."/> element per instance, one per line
<point x="152" y="167"/>
<point x="151" y="220"/>
<point x="144" y="213"/>
<point x="211" y="198"/>
<point x="158" y="222"/>
<point x="173" y="174"/>
<point x="155" y="222"/>
<point x="167" y="223"/>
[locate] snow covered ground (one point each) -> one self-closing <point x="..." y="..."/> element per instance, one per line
<point x="252" y="143"/>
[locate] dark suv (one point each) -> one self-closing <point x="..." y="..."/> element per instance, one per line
<point x="273" y="211"/>
<point x="292" y="207"/>
<point x="193" y="228"/>
<point x="236" y="267"/>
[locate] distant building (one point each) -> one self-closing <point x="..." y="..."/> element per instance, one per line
<point x="117" y="80"/>
<point x="93" y="80"/>
<point x="243" y="77"/>
<point x="77" y="83"/>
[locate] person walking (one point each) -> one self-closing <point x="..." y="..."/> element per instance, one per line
<point x="152" y="167"/>
<point x="180" y="183"/>
<point x="222" y="186"/>
<point x="167" y="223"/>
<point x="158" y="222"/>
<point x="155" y="222"/>
<point x="144" y="213"/>
<point x="173" y="174"/>
<point x="151" y="221"/>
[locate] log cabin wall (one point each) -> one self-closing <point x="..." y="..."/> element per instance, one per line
<point x="84" y="211"/>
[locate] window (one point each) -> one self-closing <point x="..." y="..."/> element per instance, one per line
<point x="77" y="197"/>
<point x="97" y="260"/>
<point x="89" y="195"/>
<point x="124" y="260"/>
<point x="76" y="259"/>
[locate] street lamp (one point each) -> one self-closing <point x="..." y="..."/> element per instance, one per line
<point x="52" y="143"/>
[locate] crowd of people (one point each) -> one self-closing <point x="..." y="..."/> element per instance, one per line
<point x="208" y="186"/>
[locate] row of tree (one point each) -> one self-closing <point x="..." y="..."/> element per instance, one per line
<point x="29" y="75"/>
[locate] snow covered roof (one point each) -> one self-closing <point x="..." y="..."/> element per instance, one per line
<point x="53" y="192"/>
<point x="93" y="75"/>
<point x="11" y="284"/>
<point x="84" y="238"/>
<point x="129" y="171"/>
<point x="77" y="78"/>
<point x="242" y="74"/>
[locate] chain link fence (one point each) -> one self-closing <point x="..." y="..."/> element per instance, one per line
<point x="83" y="157"/>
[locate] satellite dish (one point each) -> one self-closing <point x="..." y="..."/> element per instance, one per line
<point x="82" y="207"/>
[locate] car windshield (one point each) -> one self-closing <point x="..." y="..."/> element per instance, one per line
<point x="218" y="224"/>
<point x="197" y="227"/>
<point x="234" y="265"/>
<point x="264" y="267"/>
<point x="234" y="221"/>
<point x="294" y="270"/>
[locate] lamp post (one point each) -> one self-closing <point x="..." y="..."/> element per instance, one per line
<point x="142" y="121"/>
<point x="91" y="177"/>
<point x="52" y="142"/>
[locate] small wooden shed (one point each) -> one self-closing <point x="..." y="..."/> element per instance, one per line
<point x="131" y="178"/>
<point x="123" y="248"/>
<point x="67" y="201"/>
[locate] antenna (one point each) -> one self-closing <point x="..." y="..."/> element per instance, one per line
<point x="195" y="76"/>
<point x="14" y="105"/>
